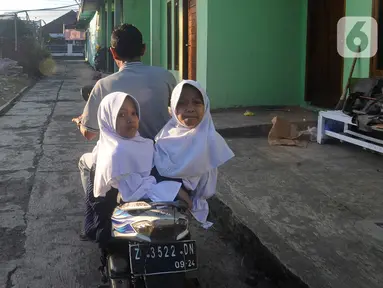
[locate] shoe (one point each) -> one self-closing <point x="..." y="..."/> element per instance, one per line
<point x="83" y="237"/>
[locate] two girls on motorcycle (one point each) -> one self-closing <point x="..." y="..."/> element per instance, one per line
<point x="187" y="149"/>
<point x="186" y="154"/>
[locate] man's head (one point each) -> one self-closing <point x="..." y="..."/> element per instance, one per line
<point x="127" y="44"/>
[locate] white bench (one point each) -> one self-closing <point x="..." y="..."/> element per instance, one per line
<point x="346" y="135"/>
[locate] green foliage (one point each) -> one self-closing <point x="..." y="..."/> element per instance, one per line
<point x="31" y="55"/>
<point x="7" y="28"/>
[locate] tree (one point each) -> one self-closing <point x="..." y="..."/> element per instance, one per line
<point x="7" y="28"/>
<point x="29" y="52"/>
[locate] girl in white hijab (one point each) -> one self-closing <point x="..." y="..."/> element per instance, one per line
<point x="123" y="158"/>
<point x="189" y="147"/>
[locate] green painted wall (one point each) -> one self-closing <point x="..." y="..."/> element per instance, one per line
<point x="203" y="42"/>
<point x="137" y="12"/>
<point x="362" y="67"/>
<point x="302" y="68"/>
<point x="155" y="32"/>
<point x="164" y="38"/>
<point x="255" y="58"/>
<point x="164" y="35"/>
<point x="92" y="40"/>
<point x="102" y="30"/>
<point x="256" y="54"/>
<point x="109" y="29"/>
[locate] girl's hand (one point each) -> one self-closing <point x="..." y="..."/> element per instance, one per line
<point x="77" y="120"/>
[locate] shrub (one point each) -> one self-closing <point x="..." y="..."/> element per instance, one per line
<point x="31" y="56"/>
<point x="29" y="53"/>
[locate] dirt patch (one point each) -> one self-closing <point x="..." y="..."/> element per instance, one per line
<point x="10" y="86"/>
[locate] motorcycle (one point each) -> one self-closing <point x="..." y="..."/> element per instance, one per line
<point x="150" y="246"/>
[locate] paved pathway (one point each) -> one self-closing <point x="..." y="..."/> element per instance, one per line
<point x="41" y="198"/>
<point x="318" y="209"/>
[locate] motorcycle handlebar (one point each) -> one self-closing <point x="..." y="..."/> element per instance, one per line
<point x="176" y="204"/>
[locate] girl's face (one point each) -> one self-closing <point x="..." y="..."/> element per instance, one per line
<point x="127" y="119"/>
<point x="190" y="107"/>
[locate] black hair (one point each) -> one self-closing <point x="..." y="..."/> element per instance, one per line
<point x="127" y="42"/>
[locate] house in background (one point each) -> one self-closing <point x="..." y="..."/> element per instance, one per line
<point x="56" y="26"/>
<point x="62" y="38"/>
<point x="257" y="53"/>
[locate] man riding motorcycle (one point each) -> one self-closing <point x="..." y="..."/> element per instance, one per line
<point x="171" y="248"/>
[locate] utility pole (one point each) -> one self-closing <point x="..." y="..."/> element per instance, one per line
<point x="15" y="32"/>
<point x="41" y="33"/>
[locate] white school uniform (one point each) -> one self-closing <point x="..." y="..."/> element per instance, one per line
<point x="192" y="154"/>
<point x="125" y="164"/>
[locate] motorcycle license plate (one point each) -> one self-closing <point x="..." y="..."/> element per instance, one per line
<point x="152" y="259"/>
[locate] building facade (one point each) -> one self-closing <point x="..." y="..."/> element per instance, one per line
<point x="245" y="53"/>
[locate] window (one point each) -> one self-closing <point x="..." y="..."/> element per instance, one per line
<point x="169" y="36"/>
<point x="176" y="35"/>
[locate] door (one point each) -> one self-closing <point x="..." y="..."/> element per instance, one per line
<point x="376" y="63"/>
<point x="190" y="39"/>
<point x="324" y="66"/>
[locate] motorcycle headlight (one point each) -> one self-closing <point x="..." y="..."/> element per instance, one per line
<point x="143" y="227"/>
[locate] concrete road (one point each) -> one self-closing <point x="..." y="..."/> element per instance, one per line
<point x="317" y="210"/>
<point x="41" y="198"/>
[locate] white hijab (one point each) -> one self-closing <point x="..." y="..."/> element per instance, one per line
<point x="183" y="152"/>
<point x="124" y="163"/>
<point x="192" y="154"/>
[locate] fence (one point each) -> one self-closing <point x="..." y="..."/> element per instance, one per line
<point x="66" y="50"/>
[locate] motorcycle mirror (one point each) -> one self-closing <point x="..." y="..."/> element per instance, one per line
<point x="85" y="92"/>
